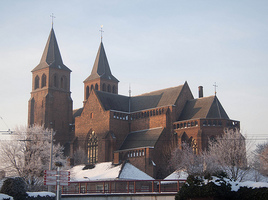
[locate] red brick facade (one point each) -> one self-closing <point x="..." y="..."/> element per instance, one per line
<point x="110" y="127"/>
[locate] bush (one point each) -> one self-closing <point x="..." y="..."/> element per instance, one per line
<point x="196" y="188"/>
<point x="14" y="187"/>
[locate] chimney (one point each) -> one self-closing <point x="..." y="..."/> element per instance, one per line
<point x="200" y="90"/>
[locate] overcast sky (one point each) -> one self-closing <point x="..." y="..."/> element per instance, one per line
<point x="150" y="44"/>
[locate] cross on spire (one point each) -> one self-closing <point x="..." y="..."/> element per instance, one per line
<point x="215" y="85"/>
<point x="52" y="17"/>
<point x="101" y="32"/>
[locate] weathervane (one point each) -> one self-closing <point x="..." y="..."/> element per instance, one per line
<point x="101" y="32"/>
<point x="52" y="17"/>
<point x="215" y="85"/>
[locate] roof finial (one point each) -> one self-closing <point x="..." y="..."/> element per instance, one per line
<point x="52" y="17"/>
<point x="215" y="85"/>
<point x="101" y="32"/>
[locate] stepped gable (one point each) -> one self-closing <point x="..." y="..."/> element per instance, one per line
<point x="143" y="138"/>
<point x="206" y="107"/>
<point x="101" y="68"/>
<point x="51" y="56"/>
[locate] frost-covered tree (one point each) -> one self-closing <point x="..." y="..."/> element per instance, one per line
<point x="260" y="158"/>
<point x="229" y="154"/>
<point x="184" y="158"/>
<point x="27" y="155"/>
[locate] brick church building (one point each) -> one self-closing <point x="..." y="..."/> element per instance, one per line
<point x="142" y="129"/>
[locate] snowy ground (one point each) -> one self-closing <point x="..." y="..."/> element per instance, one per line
<point x="4" y="196"/>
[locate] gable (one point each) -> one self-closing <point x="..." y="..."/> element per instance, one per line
<point x="206" y="107"/>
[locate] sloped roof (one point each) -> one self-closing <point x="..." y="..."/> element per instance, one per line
<point x="150" y="100"/>
<point x="108" y="171"/>
<point x="143" y="138"/>
<point x="156" y="99"/>
<point x="206" y="107"/>
<point x="51" y="56"/>
<point x="101" y="68"/>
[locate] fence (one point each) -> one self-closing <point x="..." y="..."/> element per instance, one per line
<point x="123" y="186"/>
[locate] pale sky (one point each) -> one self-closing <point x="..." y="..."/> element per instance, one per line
<point x="150" y="44"/>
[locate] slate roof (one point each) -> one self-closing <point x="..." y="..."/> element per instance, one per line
<point x="143" y="138"/>
<point x="206" y="107"/>
<point x="150" y="100"/>
<point x="51" y="56"/>
<point x="101" y="68"/>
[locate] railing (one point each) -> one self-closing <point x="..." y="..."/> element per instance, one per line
<point x="123" y="186"/>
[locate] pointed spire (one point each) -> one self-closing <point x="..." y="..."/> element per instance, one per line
<point x="101" y="68"/>
<point x="51" y="56"/>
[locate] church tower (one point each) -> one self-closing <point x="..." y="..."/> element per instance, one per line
<point x="50" y="104"/>
<point x="101" y="77"/>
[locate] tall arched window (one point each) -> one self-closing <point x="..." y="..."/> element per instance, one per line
<point x="104" y="87"/>
<point x="92" y="87"/>
<point x="87" y="92"/>
<point x="96" y="87"/>
<point x="92" y="148"/>
<point x="44" y="81"/>
<point x="109" y="88"/>
<point x="55" y="79"/>
<point x="36" y="82"/>
<point x="114" y="90"/>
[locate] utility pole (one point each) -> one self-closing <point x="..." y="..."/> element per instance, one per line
<point x="51" y="157"/>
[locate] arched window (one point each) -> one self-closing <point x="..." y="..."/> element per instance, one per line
<point x="114" y="89"/>
<point x="92" y="148"/>
<point x="44" y="81"/>
<point x="63" y="82"/>
<point x="104" y="87"/>
<point x="109" y="88"/>
<point x="55" y="79"/>
<point x="87" y="92"/>
<point x="92" y="87"/>
<point x="96" y="87"/>
<point x="36" y="82"/>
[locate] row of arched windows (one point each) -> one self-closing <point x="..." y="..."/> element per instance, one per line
<point x="58" y="83"/>
<point x="147" y="113"/>
<point x="108" y="88"/>
<point x="43" y="81"/>
<point x="137" y="153"/>
<point x="185" y="124"/>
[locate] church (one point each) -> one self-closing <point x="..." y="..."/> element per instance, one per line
<point x="142" y="130"/>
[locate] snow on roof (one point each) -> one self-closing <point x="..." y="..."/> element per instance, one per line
<point x="41" y="194"/>
<point x="107" y="171"/>
<point x="131" y="172"/>
<point x="178" y="174"/>
<point x="4" y="196"/>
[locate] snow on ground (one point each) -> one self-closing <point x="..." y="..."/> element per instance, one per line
<point x="4" y="196"/>
<point x="41" y="194"/>
<point x="107" y="171"/>
<point x="249" y="180"/>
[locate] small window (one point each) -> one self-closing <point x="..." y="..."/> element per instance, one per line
<point x="44" y="81"/>
<point x="91" y="115"/>
<point x="36" y="82"/>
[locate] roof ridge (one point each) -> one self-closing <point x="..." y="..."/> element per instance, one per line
<point x="159" y="90"/>
<point x="147" y="129"/>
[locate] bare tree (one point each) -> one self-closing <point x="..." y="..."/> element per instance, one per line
<point x="27" y="155"/>
<point x="229" y="154"/>
<point x="260" y="158"/>
<point x="80" y="156"/>
<point x="184" y="158"/>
